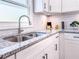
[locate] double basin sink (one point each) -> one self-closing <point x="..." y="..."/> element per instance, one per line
<point x="24" y="37"/>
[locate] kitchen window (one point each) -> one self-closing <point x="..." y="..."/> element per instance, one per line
<point x="11" y="10"/>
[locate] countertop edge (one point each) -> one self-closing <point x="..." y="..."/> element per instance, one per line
<point x="30" y="44"/>
<point x="64" y="31"/>
<point x="24" y="47"/>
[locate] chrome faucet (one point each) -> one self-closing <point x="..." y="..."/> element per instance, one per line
<point x="19" y="28"/>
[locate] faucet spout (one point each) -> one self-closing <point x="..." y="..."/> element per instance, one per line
<point x="19" y="28"/>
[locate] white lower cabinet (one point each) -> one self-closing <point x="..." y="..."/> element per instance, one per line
<point x="45" y="54"/>
<point x="11" y="57"/>
<point x="40" y="55"/>
<point x="71" y="49"/>
<point x="62" y="47"/>
<point x="52" y="51"/>
<point x="56" y="51"/>
<point x="56" y="47"/>
<point x="45" y="49"/>
<point x="71" y="46"/>
<point x="49" y="52"/>
<point x="25" y="54"/>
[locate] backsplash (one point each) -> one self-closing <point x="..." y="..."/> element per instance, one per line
<point x="69" y="18"/>
<point x="56" y="21"/>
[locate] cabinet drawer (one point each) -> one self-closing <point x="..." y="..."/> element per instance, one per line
<point x="71" y="36"/>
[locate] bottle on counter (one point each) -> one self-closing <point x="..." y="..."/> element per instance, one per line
<point x="49" y="26"/>
<point x="57" y="27"/>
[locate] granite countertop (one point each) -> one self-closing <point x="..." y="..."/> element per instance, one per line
<point x="8" y="48"/>
<point x="70" y="31"/>
<point x="4" y="44"/>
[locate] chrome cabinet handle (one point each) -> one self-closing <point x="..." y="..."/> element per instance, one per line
<point x="44" y="5"/>
<point x="43" y="57"/>
<point x="56" y="48"/>
<point x="50" y="8"/>
<point x="76" y="36"/>
<point x="57" y="36"/>
<point x="46" y="56"/>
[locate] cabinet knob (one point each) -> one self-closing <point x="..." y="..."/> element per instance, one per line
<point x="43" y="57"/>
<point x="46" y="56"/>
<point x="76" y="36"/>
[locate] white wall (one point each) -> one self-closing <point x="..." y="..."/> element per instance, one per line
<point x="39" y="22"/>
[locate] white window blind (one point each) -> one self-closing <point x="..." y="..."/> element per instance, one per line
<point x="10" y="12"/>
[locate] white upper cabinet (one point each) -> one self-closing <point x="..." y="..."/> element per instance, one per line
<point x="70" y="5"/>
<point x="40" y="6"/>
<point x="55" y="6"/>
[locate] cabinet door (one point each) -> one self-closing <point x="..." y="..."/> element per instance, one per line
<point x="61" y="47"/>
<point x="46" y="5"/>
<point x="45" y="54"/>
<point x="55" y="6"/>
<point x="56" y="46"/>
<point x="24" y="55"/>
<point x="11" y="57"/>
<point x="40" y="55"/>
<point x="52" y="52"/>
<point x="56" y="51"/>
<point x="77" y="5"/>
<point x="49" y="52"/>
<point x="71" y="49"/>
<point x="40" y="6"/>
<point x="70" y="5"/>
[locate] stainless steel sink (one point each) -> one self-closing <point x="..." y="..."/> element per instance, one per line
<point x="11" y="38"/>
<point x="15" y="38"/>
<point x="24" y="37"/>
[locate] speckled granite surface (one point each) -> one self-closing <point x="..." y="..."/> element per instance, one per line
<point x="70" y="31"/>
<point x="4" y="44"/>
<point x="9" y="48"/>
